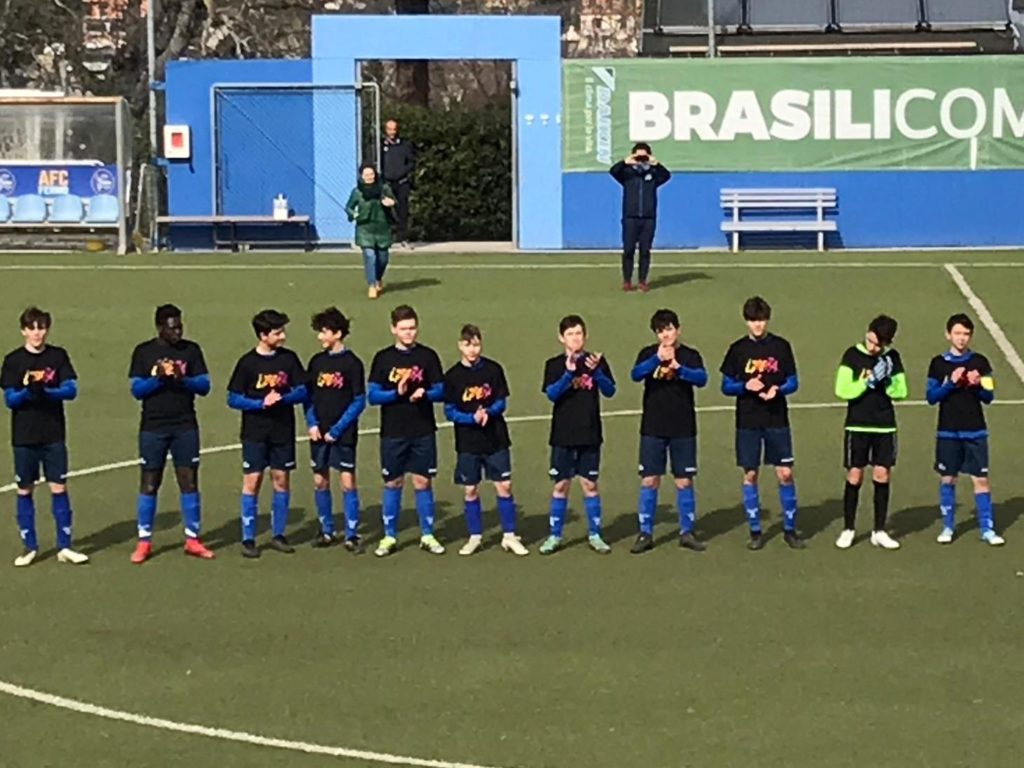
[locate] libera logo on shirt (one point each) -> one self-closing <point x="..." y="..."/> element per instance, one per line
<point x="762" y="365"/>
<point x="330" y="380"/>
<point x="277" y="380"/>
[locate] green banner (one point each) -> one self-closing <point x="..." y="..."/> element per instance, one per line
<point x="957" y="112"/>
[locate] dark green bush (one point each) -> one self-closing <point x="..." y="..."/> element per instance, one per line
<point x="463" y="186"/>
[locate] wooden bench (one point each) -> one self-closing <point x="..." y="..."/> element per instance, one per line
<point x="814" y="200"/>
<point x="219" y="222"/>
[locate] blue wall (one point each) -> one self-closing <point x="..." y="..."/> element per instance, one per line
<point x="189" y="89"/>
<point x="877" y="209"/>
<point x="533" y="42"/>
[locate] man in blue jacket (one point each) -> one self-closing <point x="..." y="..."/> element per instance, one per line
<point x="640" y="176"/>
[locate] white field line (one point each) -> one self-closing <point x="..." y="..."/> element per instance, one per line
<point x="242" y="737"/>
<point x="469" y="265"/>
<point x="510" y="419"/>
<point x="1011" y="355"/>
<point x="85" y="708"/>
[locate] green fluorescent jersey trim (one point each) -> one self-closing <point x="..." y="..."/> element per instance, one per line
<point x="897" y="389"/>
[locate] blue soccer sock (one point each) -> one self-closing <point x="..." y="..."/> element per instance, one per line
<point x="787" y="498"/>
<point x="62" y="517"/>
<point x="556" y="517"/>
<point x="279" y="512"/>
<point x="25" y="513"/>
<point x="250" y="510"/>
<point x="191" y="514"/>
<point x="647" y="507"/>
<point x="507" y="513"/>
<point x="947" y="505"/>
<point x="752" y="507"/>
<point x="592" y="506"/>
<point x="351" y="501"/>
<point x="983" y="502"/>
<point x="391" y="506"/>
<point x="324" y="511"/>
<point x="686" y="504"/>
<point x="145" y="514"/>
<point x="425" y="511"/>
<point x="474" y="517"/>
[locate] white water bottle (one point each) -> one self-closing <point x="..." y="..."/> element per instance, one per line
<point x="280" y="208"/>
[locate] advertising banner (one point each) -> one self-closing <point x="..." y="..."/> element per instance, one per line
<point x="959" y="112"/>
<point x="54" y="178"/>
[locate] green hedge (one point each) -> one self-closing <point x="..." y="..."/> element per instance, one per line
<point x="463" y="187"/>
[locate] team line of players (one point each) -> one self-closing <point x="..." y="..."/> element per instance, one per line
<point x="406" y="379"/>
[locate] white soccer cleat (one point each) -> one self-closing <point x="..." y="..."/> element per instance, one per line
<point x="993" y="539"/>
<point x="512" y="543"/>
<point x="26" y="558"/>
<point x="884" y="540"/>
<point x="946" y="537"/>
<point x="473" y="545"/>
<point x="70" y="557"/>
<point x="845" y="540"/>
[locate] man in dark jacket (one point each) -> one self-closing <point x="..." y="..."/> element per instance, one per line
<point x="640" y="176"/>
<point x="398" y="163"/>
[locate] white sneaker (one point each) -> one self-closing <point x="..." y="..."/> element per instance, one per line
<point x="883" y="540"/>
<point x="845" y="540"/>
<point x="946" y="537"/>
<point x="71" y="557"/>
<point x="993" y="539"/>
<point x="512" y="543"/>
<point x="473" y="545"/>
<point x="26" y="558"/>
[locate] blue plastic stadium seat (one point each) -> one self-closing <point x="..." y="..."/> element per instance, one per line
<point x="66" y="209"/>
<point x="29" y="209"/>
<point x="5" y="209"/>
<point x="103" y="209"/>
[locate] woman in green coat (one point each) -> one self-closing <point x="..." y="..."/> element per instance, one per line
<point x="369" y="206"/>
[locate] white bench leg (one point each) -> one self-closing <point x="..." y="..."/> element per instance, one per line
<point x="735" y="242"/>
<point x="821" y="241"/>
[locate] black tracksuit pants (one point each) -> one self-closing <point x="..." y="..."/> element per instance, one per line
<point x="636" y="232"/>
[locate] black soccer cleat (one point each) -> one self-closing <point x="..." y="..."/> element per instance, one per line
<point x="280" y="544"/>
<point x="644" y="543"/>
<point x="756" y="542"/>
<point x="792" y="538"/>
<point x="249" y="549"/>
<point x="324" y="540"/>
<point x="355" y="545"/>
<point x="689" y="541"/>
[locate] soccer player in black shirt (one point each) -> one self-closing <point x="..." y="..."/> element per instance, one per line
<point x="869" y="379"/>
<point x="336" y="399"/>
<point x="960" y="382"/>
<point x="574" y="382"/>
<point x="267" y="383"/>
<point x="406" y="380"/>
<point x="759" y="370"/>
<point x="37" y="379"/>
<point x="670" y="371"/>
<point x="476" y="394"/>
<point x="166" y="375"/>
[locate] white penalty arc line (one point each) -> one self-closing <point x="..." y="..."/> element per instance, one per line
<point x="99" y="469"/>
<point x="241" y="737"/>
<point x="469" y="265"/>
<point x="997" y="334"/>
<point x="223" y="734"/>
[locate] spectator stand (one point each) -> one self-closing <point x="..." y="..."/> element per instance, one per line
<point x="63" y="171"/>
<point x="828" y="27"/>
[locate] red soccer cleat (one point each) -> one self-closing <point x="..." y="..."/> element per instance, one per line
<point x="627" y="287"/>
<point x="142" y="551"/>
<point x="195" y="548"/>
<point x="644" y="287"/>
